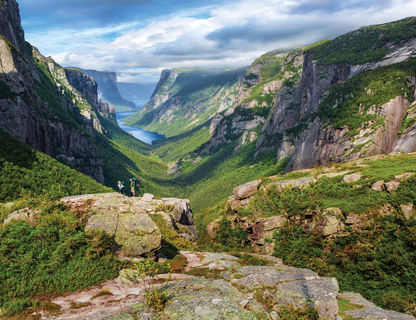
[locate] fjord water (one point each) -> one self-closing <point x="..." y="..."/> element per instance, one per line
<point x="143" y="135"/>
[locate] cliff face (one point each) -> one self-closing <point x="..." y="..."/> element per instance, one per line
<point x="313" y="131"/>
<point x="185" y="99"/>
<point x="108" y="90"/>
<point x="39" y="106"/>
<point x="88" y="87"/>
<point x="332" y="102"/>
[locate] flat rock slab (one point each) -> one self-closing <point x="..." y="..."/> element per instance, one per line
<point x="297" y="183"/>
<point x="285" y="285"/>
<point x="206" y="299"/>
<point x="369" y="311"/>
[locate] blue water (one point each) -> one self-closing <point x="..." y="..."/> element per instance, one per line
<point x="142" y="135"/>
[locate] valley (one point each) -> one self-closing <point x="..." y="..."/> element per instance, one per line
<point x="282" y="190"/>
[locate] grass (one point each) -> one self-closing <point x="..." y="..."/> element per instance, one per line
<point x="366" y="44"/>
<point x="347" y="103"/>
<point x="30" y="173"/>
<point x="345" y="305"/>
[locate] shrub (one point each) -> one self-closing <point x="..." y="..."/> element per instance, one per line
<point x="297" y="313"/>
<point x="51" y="257"/>
<point x="145" y="273"/>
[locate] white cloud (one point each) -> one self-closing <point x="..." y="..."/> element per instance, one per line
<point x="231" y="35"/>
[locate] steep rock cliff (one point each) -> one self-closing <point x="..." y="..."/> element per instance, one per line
<point x="88" y="87"/>
<point x="307" y="126"/>
<point x="39" y="106"/>
<point x="193" y="95"/>
<point x="108" y="90"/>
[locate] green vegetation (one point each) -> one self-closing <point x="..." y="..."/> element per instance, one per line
<point x="200" y="93"/>
<point x="146" y="272"/>
<point x="175" y="148"/>
<point x="366" y="44"/>
<point x="376" y="259"/>
<point x="297" y="313"/>
<point x="348" y="103"/>
<point x="51" y="257"/>
<point x="30" y="173"/>
<point x="345" y="305"/>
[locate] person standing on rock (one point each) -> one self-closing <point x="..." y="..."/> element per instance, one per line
<point x="120" y="187"/>
<point x="133" y="187"/>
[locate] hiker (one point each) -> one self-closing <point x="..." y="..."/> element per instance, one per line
<point x="120" y="187"/>
<point x="133" y="187"/>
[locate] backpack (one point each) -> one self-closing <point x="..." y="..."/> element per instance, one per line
<point x="136" y="183"/>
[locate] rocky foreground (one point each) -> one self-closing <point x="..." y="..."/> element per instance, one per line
<point x="227" y="289"/>
<point x="206" y="285"/>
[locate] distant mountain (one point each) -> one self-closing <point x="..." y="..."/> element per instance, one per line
<point x="139" y="93"/>
<point x="187" y="98"/>
<point x="108" y="90"/>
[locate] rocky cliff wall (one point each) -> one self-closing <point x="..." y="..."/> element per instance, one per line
<point x="108" y="90"/>
<point x="37" y="104"/>
<point x="88" y="87"/>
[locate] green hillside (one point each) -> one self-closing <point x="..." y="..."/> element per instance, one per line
<point x="194" y="96"/>
<point x="366" y="44"/>
<point x="26" y="172"/>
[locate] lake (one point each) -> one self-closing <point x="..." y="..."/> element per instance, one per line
<point x="142" y="135"/>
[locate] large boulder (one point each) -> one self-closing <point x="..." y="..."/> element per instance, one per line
<point x="137" y="234"/>
<point x="128" y="218"/>
<point x="181" y="212"/>
<point x="246" y="190"/>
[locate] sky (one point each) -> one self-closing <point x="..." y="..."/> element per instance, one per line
<point x="139" y="38"/>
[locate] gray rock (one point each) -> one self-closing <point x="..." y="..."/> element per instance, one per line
<point x="22" y="215"/>
<point x="407" y="210"/>
<point x="220" y="261"/>
<point x="206" y="299"/>
<point x="137" y="234"/>
<point x="378" y="186"/>
<point x="297" y="183"/>
<point x="322" y="293"/>
<point x="182" y="211"/>
<point x="246" y="190"/>
<point x="367" y="310"/>
<point x="148" y="197"/>
<point x="354" y="177"/>
<point x="392" y="185"/>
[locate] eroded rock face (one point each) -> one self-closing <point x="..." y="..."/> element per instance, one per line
<point x="43" y="127"/>
<point x="129" y="219"/>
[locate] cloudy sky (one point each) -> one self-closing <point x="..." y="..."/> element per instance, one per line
<point x="139" y="38"/>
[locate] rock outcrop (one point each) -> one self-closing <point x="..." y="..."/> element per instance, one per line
<point x="129" y="220"/>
